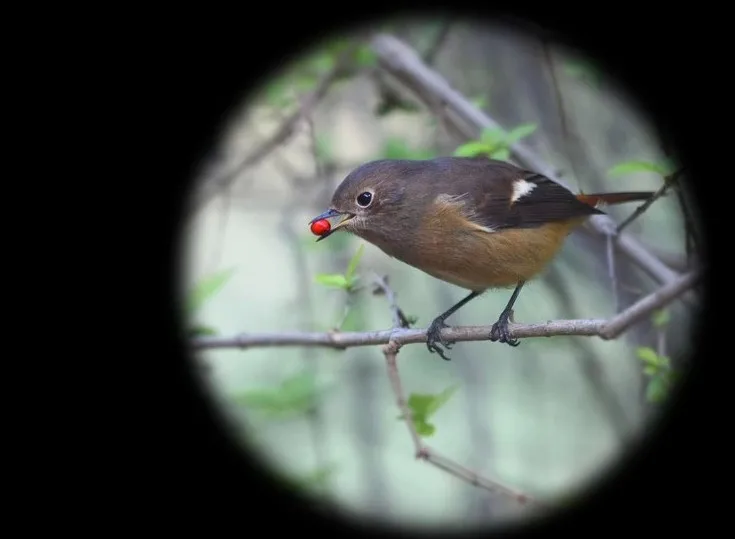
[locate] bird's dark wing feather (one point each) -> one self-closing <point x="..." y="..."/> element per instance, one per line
<point x="489" y="188"/>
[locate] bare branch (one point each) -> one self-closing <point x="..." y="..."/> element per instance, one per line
<point x="404" y="64"/>
<point x="400" y="320"/>
<point x="648" y="304"/>
<point x="423" y="452"/>
<point x="607" y="329"/>
<point x="668" y="182"/>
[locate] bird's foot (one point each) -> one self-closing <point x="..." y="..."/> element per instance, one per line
<point x="435" y="341"/>
<point x="500" y="330"/>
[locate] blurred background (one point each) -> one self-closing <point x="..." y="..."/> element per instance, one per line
<point x="547" y="418"/>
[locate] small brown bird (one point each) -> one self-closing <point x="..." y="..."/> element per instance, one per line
<point x="474" y="222"/>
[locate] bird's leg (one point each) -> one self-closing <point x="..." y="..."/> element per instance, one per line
<point x="434" y="340"/>
<point x="500" y="331"/>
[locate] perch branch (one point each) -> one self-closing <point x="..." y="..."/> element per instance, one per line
<point x="606" y="329"/>
<point x="424" y="452"/>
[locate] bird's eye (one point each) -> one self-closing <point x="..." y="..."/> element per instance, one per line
<point x="364" y="199"/>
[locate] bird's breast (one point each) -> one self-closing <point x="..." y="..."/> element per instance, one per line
<point x="477" y="259"/>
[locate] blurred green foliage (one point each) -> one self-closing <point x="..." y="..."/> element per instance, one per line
<point x="203" y="290"/>
<point x="395" y="148"/>
<point x="293" y="397"/>
<point x="495" y="143"/>
<point x="664" y="168"/>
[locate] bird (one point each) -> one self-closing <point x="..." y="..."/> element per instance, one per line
<point x="474" y="222"/>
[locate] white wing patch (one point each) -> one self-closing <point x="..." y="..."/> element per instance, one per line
<point x="521" y="188"/>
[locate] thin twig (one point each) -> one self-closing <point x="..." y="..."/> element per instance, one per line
<point x="648" y="304"/>
<point x="607" y="329"/>
<point x="423" y="452"/>
<point x="429" y="55"/>
<point x="668" y="182"/>
<point x="400" y="320"/>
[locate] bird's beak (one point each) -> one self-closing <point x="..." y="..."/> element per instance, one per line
<point x="346" y="216"/>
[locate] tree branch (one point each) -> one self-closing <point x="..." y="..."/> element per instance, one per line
<point x="405" y="65"/>
<point x="606" y="329"/>
<point x="668" y="182"/>
<point x="424" y="452"/>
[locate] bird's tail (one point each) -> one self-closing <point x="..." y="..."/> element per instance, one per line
<point x="599" y="199"/>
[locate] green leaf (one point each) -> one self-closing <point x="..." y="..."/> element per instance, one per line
<point x="365" y="57"/>
<point x="661" y="318"/>
<point x="424" y="406"/>
<point x="503" y="154"/>
<point x="649" y="356"/>
<point x="492" y="136"/>
<point x="519" y="132"/>
<point x="650" y="370"/>
<point x="441" y="399"/>
<point x="472" y="149"/>
<point x="658" y="388"/>
<point x="201" y="331"/>
<point x="395" y="148"/>
<point x="629" y="167"/>
<point x="335" y="280"/>
<point x="206" y="288"/>
<point x="424" y="428"/>
<point x="352" y="266"/>
<point x="317" y="478"/>
<point x="480" y="101"/>
<point x="294" y="396"/>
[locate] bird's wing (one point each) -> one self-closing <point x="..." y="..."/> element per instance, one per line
<point x="498" y="195"/>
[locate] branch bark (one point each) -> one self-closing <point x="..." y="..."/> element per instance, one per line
<point x="606" y="329"/>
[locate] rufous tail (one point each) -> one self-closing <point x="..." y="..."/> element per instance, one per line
<point x="598" y="199"/>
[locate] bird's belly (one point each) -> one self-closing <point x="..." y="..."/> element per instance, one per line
<point x="479" y="260"/>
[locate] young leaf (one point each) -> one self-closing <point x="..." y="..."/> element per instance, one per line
<point x="335" y="280"/>
<point x="440" y="399"/>
<point x="629" y="167"/>
<point x="480" y="101"/>
<point x="365" y="57"/>
<point x="649" y="356"/>
<point x="519" y="132"/>
<point x="423" y="427"/>
<point x="502" y="154"/>
<point x="472" y="149"/>
<point x="201" y="331"/>
<point x="207" y="287"/>
<point x="424" y="405"/>
<point x="492" y="136"/>
<point x="294" y="396"/>
<point x="398" y="149"/>
<point x="354" y="261"/>
<point x="661" y="318"/>
<point x="658" y="388"/>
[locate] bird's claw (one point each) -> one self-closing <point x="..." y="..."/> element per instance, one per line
<point x="501" y="332"/>
<point x="435" y="341"/>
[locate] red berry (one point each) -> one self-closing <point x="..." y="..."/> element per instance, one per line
<point x="320" y="227"/>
